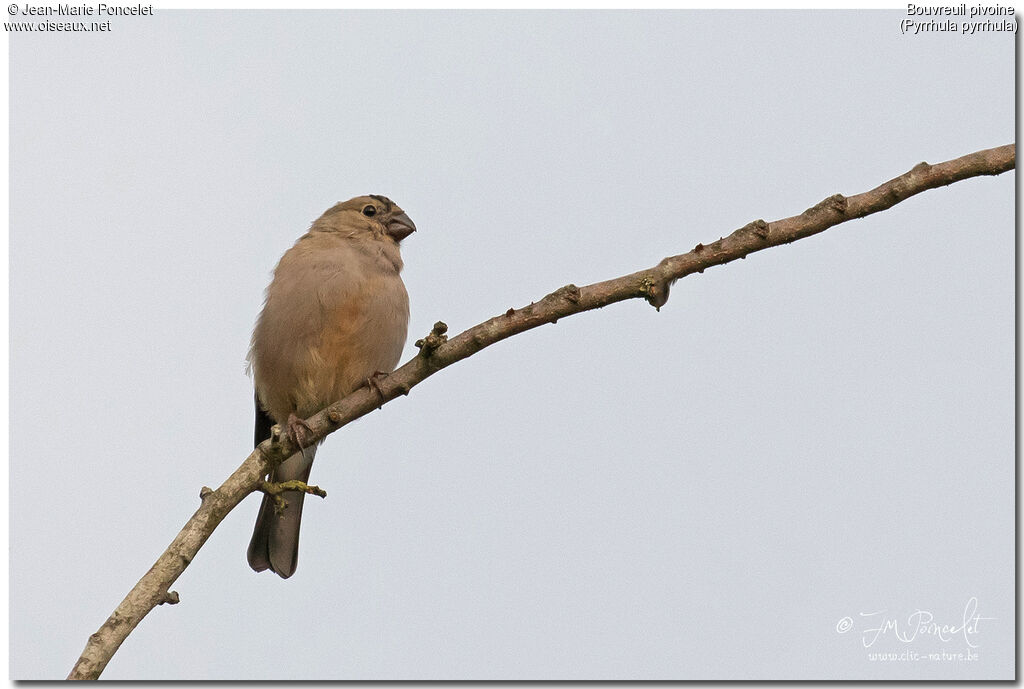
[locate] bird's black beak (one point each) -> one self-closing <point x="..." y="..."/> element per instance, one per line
<point x="400" y="227"/>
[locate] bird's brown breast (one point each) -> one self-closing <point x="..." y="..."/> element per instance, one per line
<point x="336" y="313"/>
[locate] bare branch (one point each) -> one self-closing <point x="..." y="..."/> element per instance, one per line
<point x="276" y="492"/>
<point x="437" y="352"/>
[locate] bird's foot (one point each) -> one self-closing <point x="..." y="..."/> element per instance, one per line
<point x="373" y="382"/>
<point x="299" y="432"/>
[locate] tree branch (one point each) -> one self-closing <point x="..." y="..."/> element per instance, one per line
<point x="437" y="352"/>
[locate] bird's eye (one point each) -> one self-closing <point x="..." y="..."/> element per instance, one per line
<point x="369" y="211"/>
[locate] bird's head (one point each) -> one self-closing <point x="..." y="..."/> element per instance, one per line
<point x="377" y="214"/>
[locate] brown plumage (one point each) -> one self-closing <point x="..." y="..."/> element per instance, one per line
<point x="335" y="314"/>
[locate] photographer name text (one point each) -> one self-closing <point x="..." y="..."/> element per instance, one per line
<point x="100" y="10"/>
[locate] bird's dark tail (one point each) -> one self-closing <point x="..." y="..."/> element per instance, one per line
<point x="263" y="425"/>
<point x="275" y="539"/>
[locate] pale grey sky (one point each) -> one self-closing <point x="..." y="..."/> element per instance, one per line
<point x="822" y="430"/>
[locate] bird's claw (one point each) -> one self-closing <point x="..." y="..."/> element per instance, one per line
<point x="299" y="432"/>
<point x="373" y="382"/>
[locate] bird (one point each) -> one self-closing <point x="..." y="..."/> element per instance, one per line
<point x="335" y="317"/>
